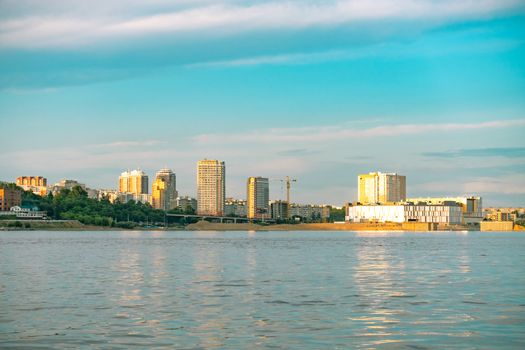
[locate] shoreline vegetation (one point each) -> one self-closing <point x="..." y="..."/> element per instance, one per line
<point x="72" y="210"/>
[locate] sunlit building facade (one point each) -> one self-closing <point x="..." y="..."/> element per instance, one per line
<point x="380" y="187"/>
<point x="9" y="197"/>
<point x="471" y="207"/>
<point x="257" y="197"/>
<point x="164" y="190"/>
<point x="450" y="213"/>
<point x="35" y="184"/>
<point x="211" y="187"/>
<point x="135" y="181"/>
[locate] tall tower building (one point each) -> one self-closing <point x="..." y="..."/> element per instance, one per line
<point x="164" y="190"/>
<point x="135" y="182"/>
<point x="210" y="187"/>
<point x="257" y="197"/>
<point x="158" y="194"/>
<point x="380" y="187"/>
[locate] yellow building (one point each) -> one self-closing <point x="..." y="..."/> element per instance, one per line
<point x="211" y="187"/>
<point x="257" y="197"/>
<point x="158" y="194"/>
<point x="163" y="191"/>
<point x="35" y="184"/>
<point x="135" y="182"/>
<point x="380" y="187"/>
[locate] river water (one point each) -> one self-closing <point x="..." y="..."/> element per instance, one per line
<point x="247" y="290"/>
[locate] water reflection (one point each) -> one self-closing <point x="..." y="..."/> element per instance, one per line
<point x="206" y="310"/>
<point x="378" y="278"/>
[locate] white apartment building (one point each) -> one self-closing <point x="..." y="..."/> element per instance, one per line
<point x="211" y="187"/>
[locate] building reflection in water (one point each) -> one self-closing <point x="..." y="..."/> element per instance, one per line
<point x="378" y="278"/>
<point x="206" y="308"/>
<point x="141" y="283"/>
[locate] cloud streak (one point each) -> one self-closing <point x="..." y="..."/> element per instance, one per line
<point x="508" y="152"/>
<point x="332" y="133"/>
<point x="127" y="144"/>
<point x="74" y="28"/>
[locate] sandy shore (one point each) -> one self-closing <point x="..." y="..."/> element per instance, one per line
<point x="212" y="226"/>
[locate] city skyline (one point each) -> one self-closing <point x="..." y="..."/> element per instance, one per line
<point x="319" y="91"/>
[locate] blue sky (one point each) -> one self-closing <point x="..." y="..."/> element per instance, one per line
<point x="318" y="90"/>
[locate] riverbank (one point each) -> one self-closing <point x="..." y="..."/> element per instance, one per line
<point x="73" y="225"/>
<point x="213" y="226"/>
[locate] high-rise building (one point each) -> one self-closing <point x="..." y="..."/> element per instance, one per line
<point x="380" y="187"/>
<point x="164" y="190"/>
<point x="9" y="197"/>
<point x="158" y="194"/>
<point x="135" y="181"/>
<point x="257" y="197"/>
<point x="35" y="184"/>
<point x="211" y="187"/>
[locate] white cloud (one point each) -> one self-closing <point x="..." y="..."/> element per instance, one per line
<point x="72" y="27"/>
<point x="125" y="144"/>
<point x="513" y="184"/>
<point x="331" y="133"/>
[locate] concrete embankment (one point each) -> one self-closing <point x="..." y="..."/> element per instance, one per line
<point x="212" y="226"/>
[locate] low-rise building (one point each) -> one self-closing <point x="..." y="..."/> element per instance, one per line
<point x="310" y="211"/>
<point x="471" y="207"/>
<point x="125" y="197"/>
<point x="110" y="195"/>
<point x="235" y="207"/>
<point x="65" y="184"/>
<point x="450" y="213"/>
<point x="279" y="210"/>
<point x="503" y="214"/>
<point x="69" y="184"/>
<point x="28" y="213"/>
<point x="186" y="202"/>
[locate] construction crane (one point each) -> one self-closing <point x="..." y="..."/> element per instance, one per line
<point x="288" y="181"/>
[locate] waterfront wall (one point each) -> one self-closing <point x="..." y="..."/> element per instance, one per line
<point x="496" y="226"/>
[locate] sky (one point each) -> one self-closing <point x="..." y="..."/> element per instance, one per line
<point x="320" y="91"/>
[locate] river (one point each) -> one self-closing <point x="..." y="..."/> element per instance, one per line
<point x="259" y="290"/>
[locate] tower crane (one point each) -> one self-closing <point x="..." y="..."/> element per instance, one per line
<point x="288" y="182"/>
